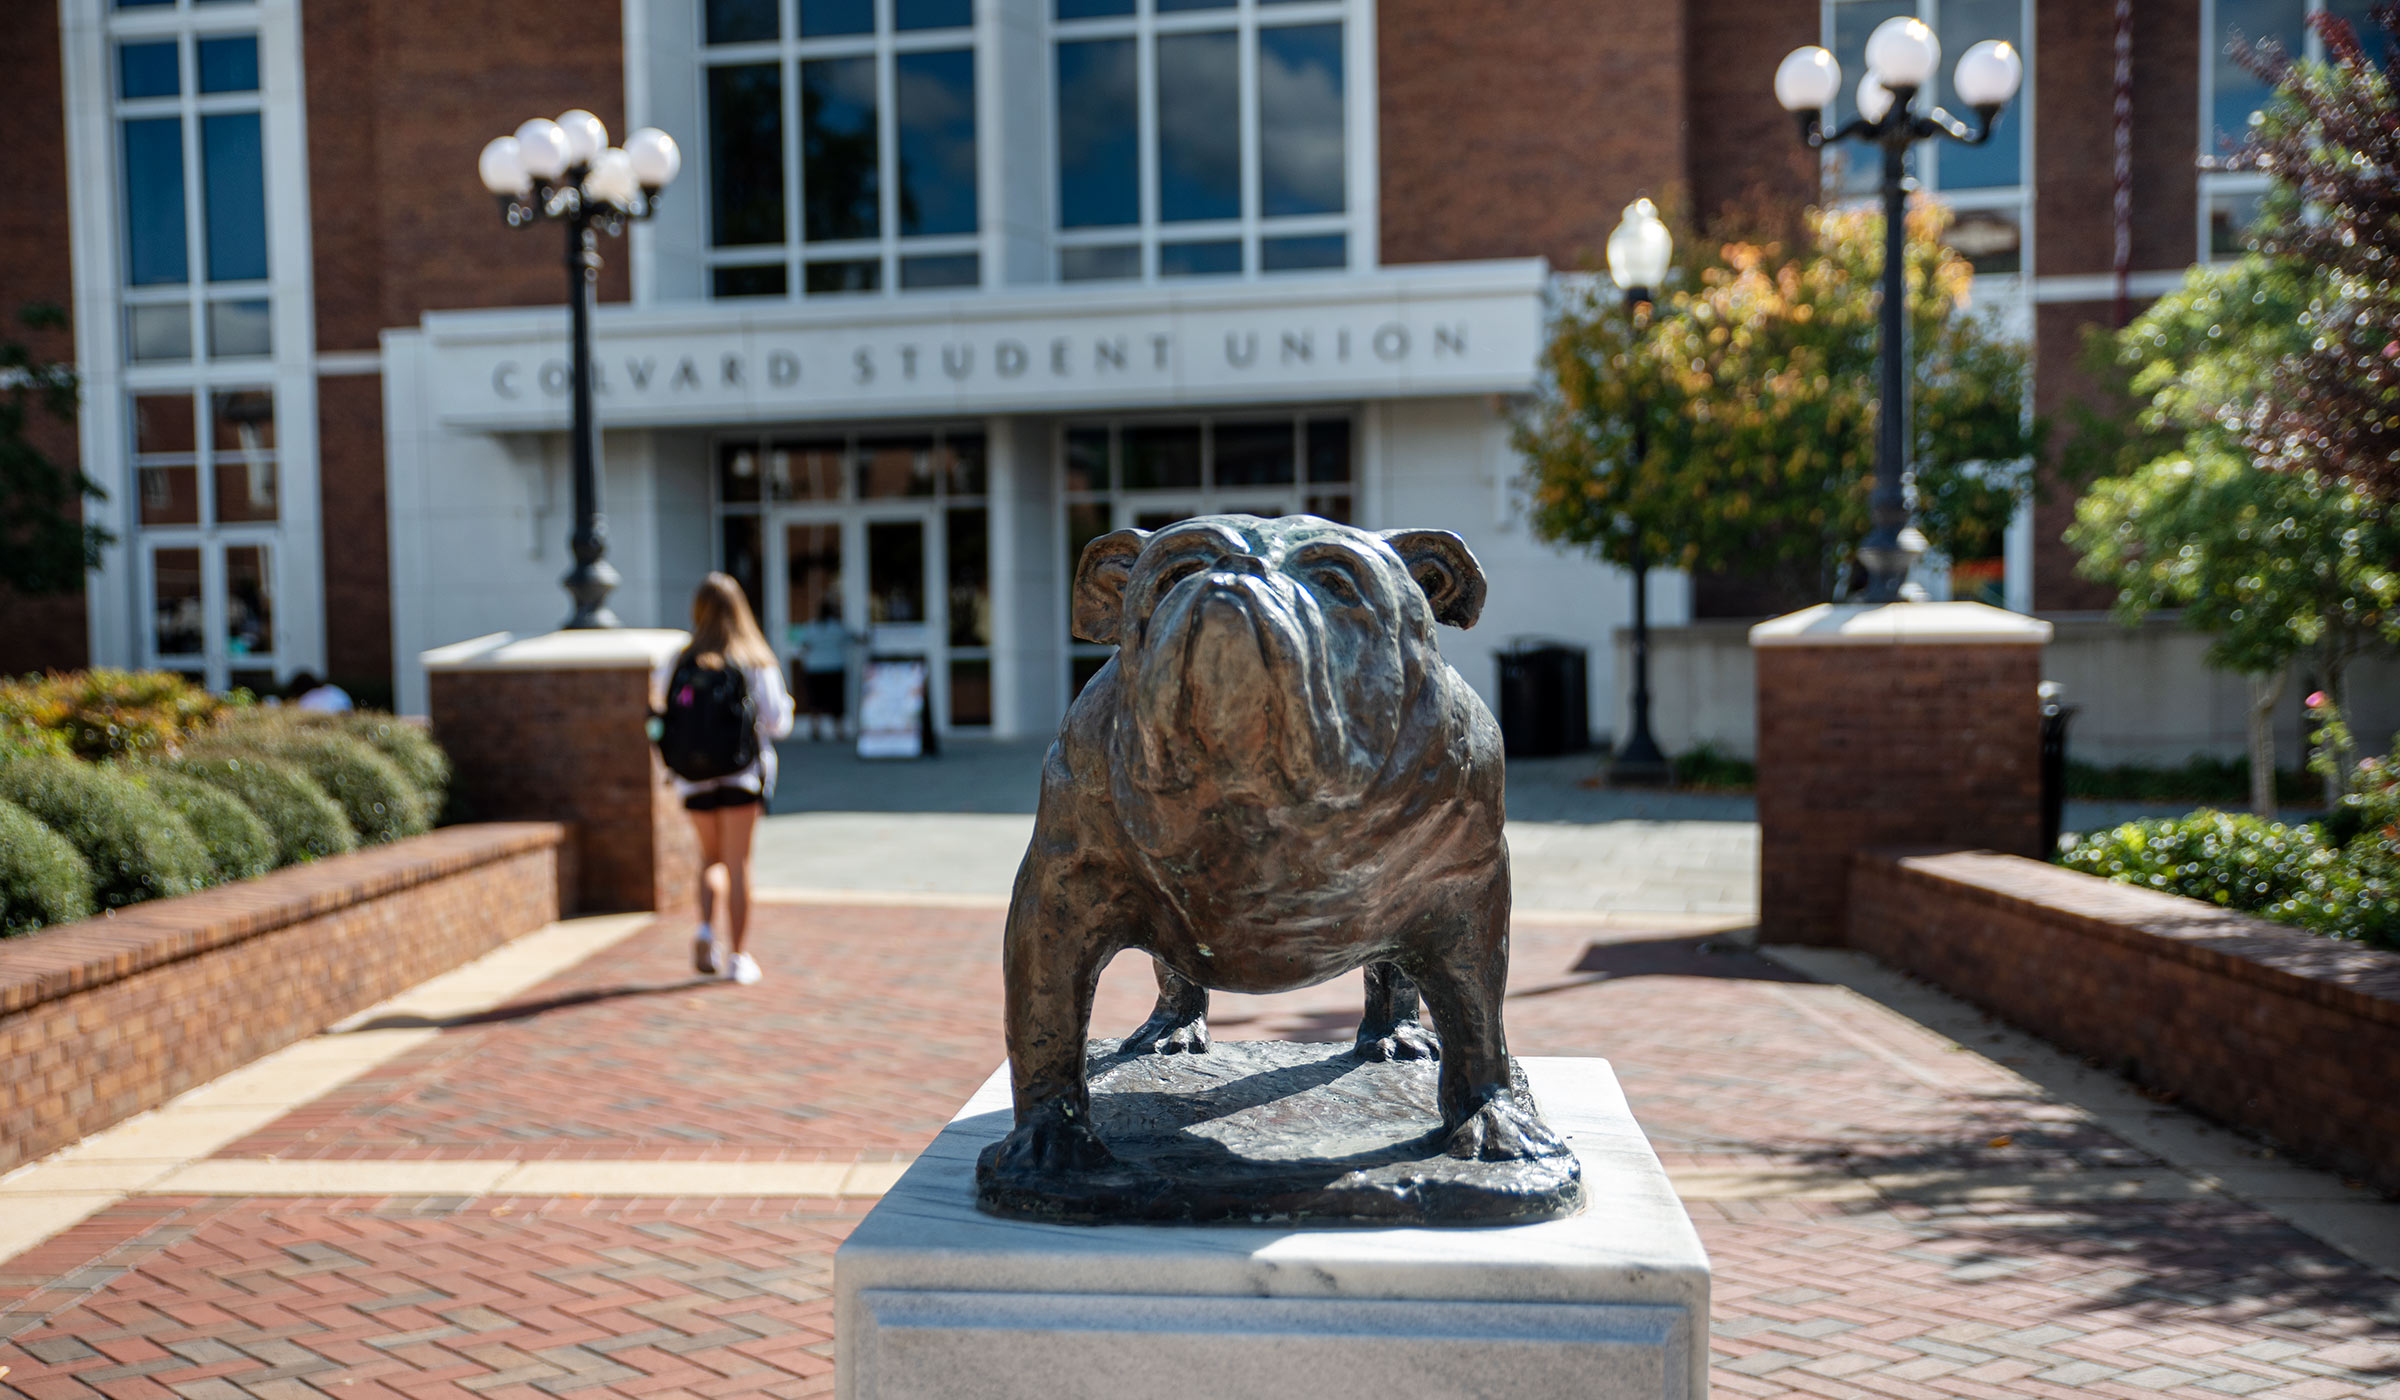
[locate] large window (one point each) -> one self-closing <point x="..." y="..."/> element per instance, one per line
<point x="192" y="176"/>
<point x="1149" y="473"/>
<point x="1200" y="138"/>
<point x="207" y="498"/>
<point x="841" y="146"/>
<point x="1983" y="185"/>
<point x="2231" y="96"/>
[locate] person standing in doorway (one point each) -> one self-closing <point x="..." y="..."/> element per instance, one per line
<point x="825" y="670"/>
<point x="724" y="707"/>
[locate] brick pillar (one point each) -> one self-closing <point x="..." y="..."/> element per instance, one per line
<point x="1914" y="724"/>
<point x="550" y="728"/>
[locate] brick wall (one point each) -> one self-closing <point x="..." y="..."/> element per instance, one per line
<point x="47" y="632"/>
<point x="1862" y="746"/>
<point x="1518" y="127"/>
<point x="568" y="745"/>
<point x="358" y="573"/>
<point x="2258" y="1025"/>
<point x="106" y="1018"/>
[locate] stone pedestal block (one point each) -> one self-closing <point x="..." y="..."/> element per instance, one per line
<point x="936" y="1299"/>
<point x="551" y="728"/>
<point x="1909" y="724"/>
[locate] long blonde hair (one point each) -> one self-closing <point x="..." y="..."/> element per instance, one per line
<point x="723" y="627"/>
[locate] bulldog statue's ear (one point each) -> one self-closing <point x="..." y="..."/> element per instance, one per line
<point x="1438" y="560"/>
<point x="1100" y="583"/>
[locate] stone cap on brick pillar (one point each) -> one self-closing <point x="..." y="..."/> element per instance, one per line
<point x="616" y="648"/>
<point x="1894" y="624"/>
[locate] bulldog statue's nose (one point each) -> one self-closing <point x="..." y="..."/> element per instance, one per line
<point x="1249" y="565"/>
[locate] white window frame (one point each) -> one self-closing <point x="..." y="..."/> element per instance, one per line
<point x="2219" y="184"/>
<point x="1245" y="18"/>
<point x="889" y="248"/>
<point x="118" y="597"/>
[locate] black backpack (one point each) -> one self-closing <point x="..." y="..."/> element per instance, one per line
<point x="710" y="729"/>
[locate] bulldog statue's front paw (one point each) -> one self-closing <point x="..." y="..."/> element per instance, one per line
<point x="1504" y="1130"/>
<point x="1051" y="1143"/>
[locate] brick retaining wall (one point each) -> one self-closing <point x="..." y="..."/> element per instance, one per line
<point x="2262" y="1026"/>
<point x="102" y="1019"/>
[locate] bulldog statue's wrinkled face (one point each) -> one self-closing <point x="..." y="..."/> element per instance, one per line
<point x="1269" y="656"/>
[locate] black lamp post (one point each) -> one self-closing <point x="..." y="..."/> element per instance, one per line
<point x="565" y="171"/>
<point x="1638" y="253"/>
<point x="1902" y="57"/>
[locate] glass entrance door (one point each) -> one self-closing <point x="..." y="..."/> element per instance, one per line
<point x="811" y="626"/>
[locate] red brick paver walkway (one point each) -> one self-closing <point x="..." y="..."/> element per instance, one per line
<point x="1831" y="1281"/>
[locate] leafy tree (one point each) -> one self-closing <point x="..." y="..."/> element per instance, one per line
<point x="44" y="548"/>
<point x="2277" y="566"/>
<point x="1753" y="392"/>
<point x="2331" y="140"/>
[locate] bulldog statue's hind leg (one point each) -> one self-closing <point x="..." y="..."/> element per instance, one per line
<point x="1388" y="1030"/>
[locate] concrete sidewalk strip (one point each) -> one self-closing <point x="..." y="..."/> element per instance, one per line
<point x="269" y="1176"/>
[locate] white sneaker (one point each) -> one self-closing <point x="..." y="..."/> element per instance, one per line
<point x="704" y="952"/>
<point x="744" y="969"/>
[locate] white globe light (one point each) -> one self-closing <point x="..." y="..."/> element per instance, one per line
<point x="502" y="169"/>
<point x="1874" y="99"/>
<point x="586" y="137"/>
<point x="1639" y="249"/>
<point x="1988" y="74"/>
<point x="655" y="157"/>
<point x="611" y="180"/>
<point x="1903" y="53"/>
<point x="1807" y="80"/>
<point x="543" y="148"/>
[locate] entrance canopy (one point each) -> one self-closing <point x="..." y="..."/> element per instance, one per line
<point x="1459" y="328"/>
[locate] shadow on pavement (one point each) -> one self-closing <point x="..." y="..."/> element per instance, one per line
<point x="523" y="1010"/>
<point x="1681" y="955"/>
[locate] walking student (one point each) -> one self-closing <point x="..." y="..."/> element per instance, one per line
<point x="724" y="706"/>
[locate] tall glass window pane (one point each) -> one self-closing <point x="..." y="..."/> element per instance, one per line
<point x="1853" y="21"/>
<point x="244" y="455"/>
<point x="1112" y="263"/>
<point x="740" y="21"/>
<point x="970" y="565"/>
<point x="940" y="270"/>
<point x="177" y="622"/>
<point x="148" y="70"/>
<point x="839" y="177"/>
<point x="1217" y="258"/>
<point x="765" y="280"/>
<point x="845" y="275"/>
<point x="1168" y="6"/>
<point x="819" y="18"/>
<point x="1300" y="120"/>
<point x="1255" y="454"/>
<point x="1162" y="458"/>
<point x="1328" y="449"/>
<point x="1087" y="459"/>
<point x="932" y="14"/>
<point x="1099" y="166"/>
<point x="249" y="602"/>
<point x="1093" y="9"/>
<point x="155" y="250"/>
<point x="233" y="173"/>
<point x="229" y="64"/>
<point x="159" y="332"/>
<point x="895" y="572"/>
<point x="166" y="459"/>
<point x="935" y="95"/>
<point x="1998" y="162"/>
<point x="238" y="328"/>
<point x="1316" y="250"/>
<point x="1199" y="127"/>
<point x="2237" y="92"/>
<point x="745" y="154"/>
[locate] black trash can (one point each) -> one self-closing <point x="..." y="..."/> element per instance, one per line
<point x="1544" y="708"/>
<point x="2054" y="768"/>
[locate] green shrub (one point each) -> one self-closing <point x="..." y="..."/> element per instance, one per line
<point x="42" y="879"/>
<point x="380" y="803"/>
<point x="306" y="823"/>
<point x="138" y="848"/>
<point x="2199" y="778"/>
<point x="237" y="842"/>
<point x="112" y="714"/>
<point x="2290" y="874"/>
<point x="408" y="747"/>
<point x="1706" y="768"/>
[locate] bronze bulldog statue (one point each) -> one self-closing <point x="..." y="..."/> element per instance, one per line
<point x="1276" y="779"/>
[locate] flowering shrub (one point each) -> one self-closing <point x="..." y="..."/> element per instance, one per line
<point x="107" y="714"/>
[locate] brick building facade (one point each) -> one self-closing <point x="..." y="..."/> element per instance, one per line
<point x="299" y="478"/>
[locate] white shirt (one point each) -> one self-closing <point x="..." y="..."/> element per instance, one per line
<point x="328" y="699"/>
<point x="773" y="702"/>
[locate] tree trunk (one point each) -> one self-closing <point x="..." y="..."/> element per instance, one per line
<point x="2266" y="688"/>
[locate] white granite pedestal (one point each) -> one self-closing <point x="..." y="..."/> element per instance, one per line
<point x="938" y="1301"/>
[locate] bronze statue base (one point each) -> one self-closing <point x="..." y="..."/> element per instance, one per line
<point x="1268" y="1131"/>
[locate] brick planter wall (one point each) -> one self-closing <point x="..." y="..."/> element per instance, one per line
<point x="102" y="1019"/>
<point x="2262" y="1026"/>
